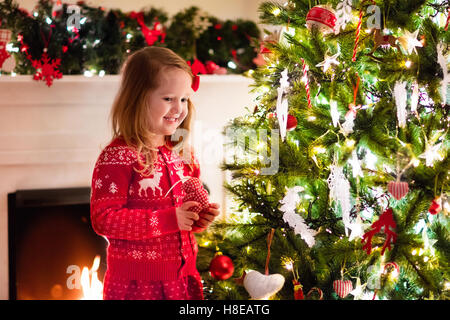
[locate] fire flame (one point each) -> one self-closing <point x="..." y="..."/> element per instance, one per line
<point x="91" y="285"/>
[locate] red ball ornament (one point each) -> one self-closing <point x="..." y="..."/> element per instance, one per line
<point x="291" y="123"/>
<point x="322" y="17"/>
<point x="221" y="267"/>
<point x="436" y="206"/>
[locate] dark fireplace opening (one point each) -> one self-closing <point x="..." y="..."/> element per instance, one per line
<point x="51" y="240"/>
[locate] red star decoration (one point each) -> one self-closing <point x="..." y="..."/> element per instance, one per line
<point x="47" y="69"/>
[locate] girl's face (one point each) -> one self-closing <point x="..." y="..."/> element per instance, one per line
<point x="168" y="104"/>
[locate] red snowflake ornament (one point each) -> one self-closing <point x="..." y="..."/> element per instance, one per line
<point x="47" y="69"/>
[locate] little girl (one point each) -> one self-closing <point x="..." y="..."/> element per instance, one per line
<point x="136" y="202"/>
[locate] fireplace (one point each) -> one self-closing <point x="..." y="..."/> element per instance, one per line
<point x="50" y="242"/>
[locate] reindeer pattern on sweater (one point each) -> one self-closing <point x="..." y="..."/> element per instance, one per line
<point x="136" y="213"/>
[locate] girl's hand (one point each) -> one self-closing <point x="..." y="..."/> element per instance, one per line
<point x="186" y="218"/>
<point x="206" y="218"/>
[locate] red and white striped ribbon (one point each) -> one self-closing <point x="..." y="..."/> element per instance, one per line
<point x="358" y="30"/>
<point x="305" y="76"/>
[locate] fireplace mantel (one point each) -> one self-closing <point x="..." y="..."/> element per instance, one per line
<point x="50" y="137"/>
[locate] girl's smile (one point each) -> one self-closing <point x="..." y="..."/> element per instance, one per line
<point x="168" y="104"/>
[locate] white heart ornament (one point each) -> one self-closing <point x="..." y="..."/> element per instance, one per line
<point x="261" y="286"/>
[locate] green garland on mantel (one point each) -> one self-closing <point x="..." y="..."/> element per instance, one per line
<point x="107" y="36"/>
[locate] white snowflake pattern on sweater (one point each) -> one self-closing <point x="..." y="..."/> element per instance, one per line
<point x="113" y="188"/>
<point x="154" y="221"/>
<point x="98" y="183"/>
<point x="153" y="255"/>
<point x="135" y="254"/>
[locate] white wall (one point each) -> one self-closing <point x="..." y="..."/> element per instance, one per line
<point x="230" y="9"/>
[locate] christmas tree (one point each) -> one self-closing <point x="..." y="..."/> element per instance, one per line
<point x="340" y="173"/>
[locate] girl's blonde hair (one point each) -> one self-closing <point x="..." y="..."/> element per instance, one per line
<point x="129" y="114"/>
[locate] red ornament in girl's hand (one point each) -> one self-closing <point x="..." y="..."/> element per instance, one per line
<point x="195" y="192"/>
<point x="221" y="267"/>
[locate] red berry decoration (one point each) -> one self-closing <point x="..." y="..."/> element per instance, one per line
<point x="221" y="267"/>
<point x="436" y="206"/>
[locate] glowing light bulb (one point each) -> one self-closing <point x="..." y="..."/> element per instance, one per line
<point x="276" y="12"/>
<point x="288" y="264"/>
<point x="232" y="65"/>
<point x="319" y="150"/>
<point x="394" y="273"/>
<point x="264" y="89"/>
<point x="447" y="285"/>
<point x="260" y="146"/>
<point x="350" y="143"/>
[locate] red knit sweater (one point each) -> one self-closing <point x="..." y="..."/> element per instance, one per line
<point x="139" y="222"/>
